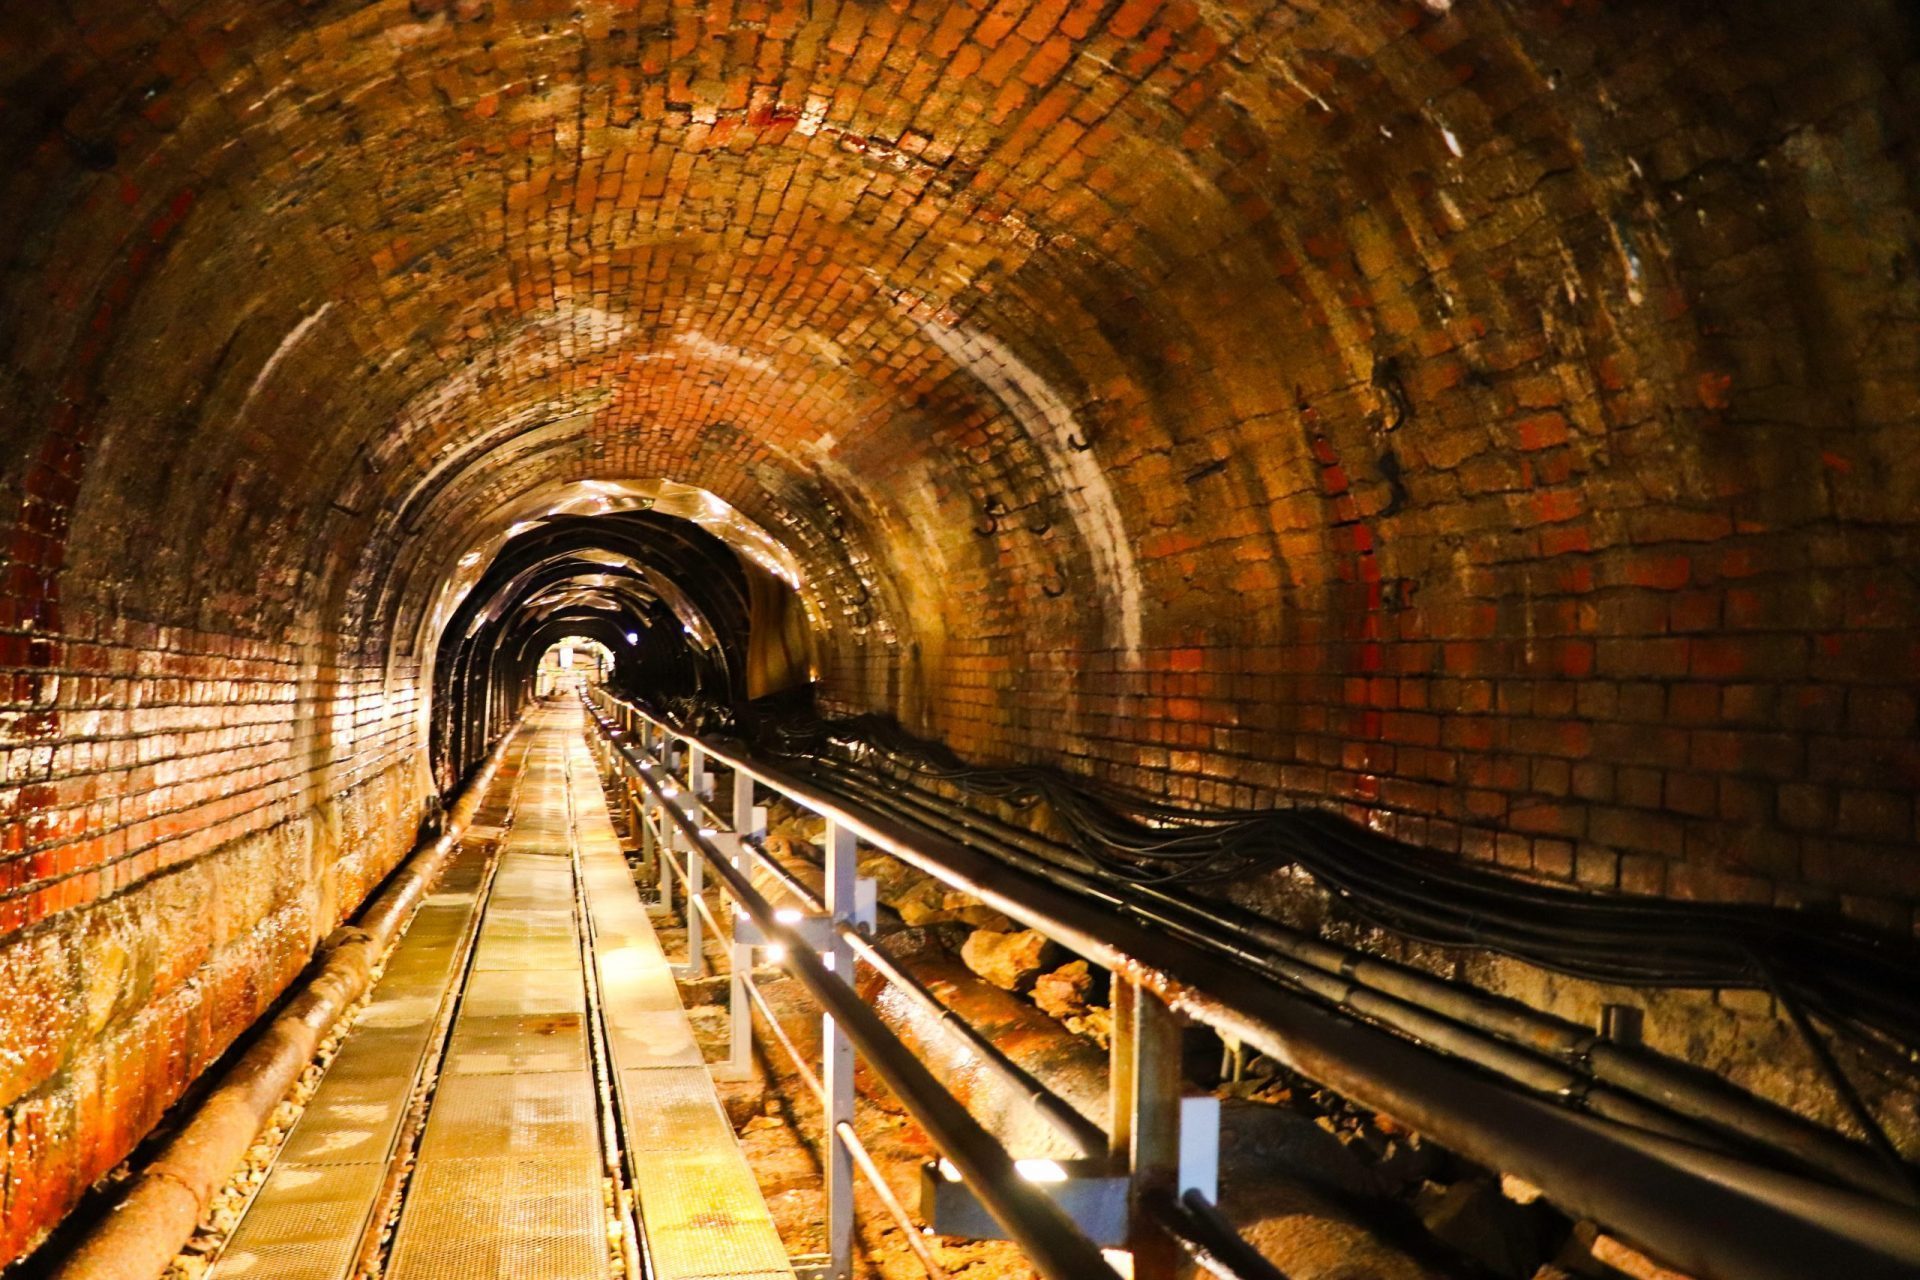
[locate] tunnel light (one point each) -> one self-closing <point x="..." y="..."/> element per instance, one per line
<point x="1040" y="1170"/>
<point x="1031" y="1170"/>
<point x="776" y="954"/>
<point x="669" y="790"/>
<point x="826" y="958"/>
<point x="633" y="637"/>
<point x="789" y="915"/>
<point x="1087" y="1191"/>
<point x="709" y="833"/>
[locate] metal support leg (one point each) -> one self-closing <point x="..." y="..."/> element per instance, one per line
<point x="742" y="804"/>
<point x="739" y="1064"/>
<point x="649" y="854"/>
<point x="841" y="869"/>
<point x="696" y="965"/>
<point x="1152" y="1081"/>
<point x="1120" y="1073"/>
<point x="664" y="862"/>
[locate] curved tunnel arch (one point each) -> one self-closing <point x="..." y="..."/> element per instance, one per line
<point x="1491" y="420"/>
<point x="683" y="590"/>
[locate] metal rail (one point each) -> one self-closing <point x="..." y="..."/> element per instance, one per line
<point x="863" y="1160"/>
<point x="1053" y="1244"/>
<point x="1717" y="1216"/>
<point x="1550" y="1056"/>
<point x="1057" y="1112"/>
<point x="1051" y="1107"/>
<point x="898" y="1211"/>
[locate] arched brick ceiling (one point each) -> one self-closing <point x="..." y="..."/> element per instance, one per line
<point x="1336" y="344"/>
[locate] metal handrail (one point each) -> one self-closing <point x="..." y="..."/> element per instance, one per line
<point x="1052" y="1242"/>
<point x="1720" y="1217"/>
<point x="1077" y="1129"/>
<point x="878" y="1182"/>
<point x="1088" y="1137"/>
<point x="1059" y="1114"/>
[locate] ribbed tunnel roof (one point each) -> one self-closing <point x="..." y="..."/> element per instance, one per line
<point x="1491" y="421"/>
<point x="870" y="271"/>
<point x="1241" y="366"/>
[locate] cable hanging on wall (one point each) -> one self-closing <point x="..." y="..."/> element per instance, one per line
<point x="1862" y="984"/>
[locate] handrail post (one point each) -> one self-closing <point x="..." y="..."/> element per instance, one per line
<point x="637" y="821"/>
<point x="696" y="965"/>
<point x="667" y="839"/>
<point x="739" y="1008"/>
<point x="1145" y="1119"/>
<point x="649" y="847"/>
<point x="842" y="865"/>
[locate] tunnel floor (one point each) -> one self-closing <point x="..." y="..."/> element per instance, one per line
<point x="529" y="978"/>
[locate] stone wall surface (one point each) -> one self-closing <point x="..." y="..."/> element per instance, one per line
<point x="1494" y="420"/>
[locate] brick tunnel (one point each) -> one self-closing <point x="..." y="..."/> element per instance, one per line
<point x="1442" y="475"/>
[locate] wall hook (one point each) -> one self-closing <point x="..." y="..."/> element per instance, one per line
<point x="1077" y="443"/>
<point x="1386" y="380"/>
<point x="994" y="510"/>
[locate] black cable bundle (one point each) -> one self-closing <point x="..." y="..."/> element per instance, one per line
<point x="1855" y="981"/>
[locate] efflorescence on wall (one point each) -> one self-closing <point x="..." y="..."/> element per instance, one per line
<point x="1495" y="423"/>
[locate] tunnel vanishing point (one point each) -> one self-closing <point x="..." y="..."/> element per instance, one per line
<point x="1414" y="504"/>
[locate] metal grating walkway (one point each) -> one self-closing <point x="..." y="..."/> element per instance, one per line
<point x="511" y="1176"/>
<point x="700" y="1208"/>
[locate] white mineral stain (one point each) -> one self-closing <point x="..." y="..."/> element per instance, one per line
<point x="1077" y="473"/>
<point x="287" y="344"/>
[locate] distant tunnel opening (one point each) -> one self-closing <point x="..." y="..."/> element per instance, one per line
<point x="685" y="617"/>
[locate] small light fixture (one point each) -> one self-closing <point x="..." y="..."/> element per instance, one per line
<point x="1040" y="1170"/>
<point x="633" y="637"/>
<point x="776" y="954"/>
<point x="789" y="915"/>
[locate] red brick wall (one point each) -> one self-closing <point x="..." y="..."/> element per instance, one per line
<point x="1496" y="421"/>
<point x="172" y="851"/>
